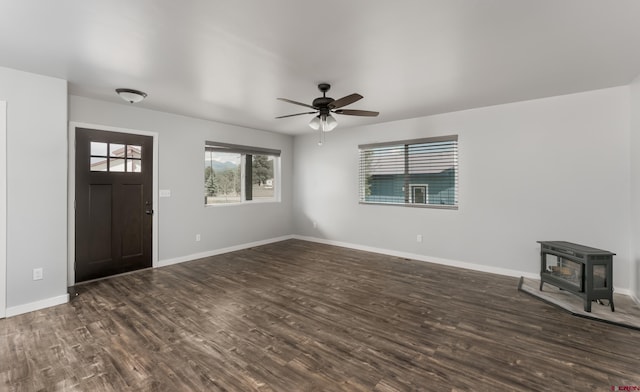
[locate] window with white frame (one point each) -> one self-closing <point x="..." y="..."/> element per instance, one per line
<point x="417" y="173"/>
<point x="238" y="174"/>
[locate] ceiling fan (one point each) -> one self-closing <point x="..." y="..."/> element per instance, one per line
<point x="323" y="106"/>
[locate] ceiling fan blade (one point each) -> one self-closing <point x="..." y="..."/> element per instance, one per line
<point x="344" y="101"/>
<point x="348" y="112"/>
<point x="296" y="103"/>
<point x="297" y="114"/>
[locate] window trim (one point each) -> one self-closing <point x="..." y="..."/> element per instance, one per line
<point x="237" y="148"/>
<point x="435" y="139"/>
<point x="406" y="144"/>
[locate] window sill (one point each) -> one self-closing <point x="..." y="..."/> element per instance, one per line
<point x="413" y="205"/>
<point x="243" y="203"/>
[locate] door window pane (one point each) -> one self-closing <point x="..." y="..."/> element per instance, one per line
<point x="117" y="150"/>
<point x="98" y="164"/>
<point x="134" y="165"/>
<point x="116" y="165"/>
<point x="98" y="148"/>
<point x="134" y="151"/>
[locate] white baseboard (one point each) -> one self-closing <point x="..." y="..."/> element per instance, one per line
<point x="37" y="305"/>
<point x="626" y="292"/>
<point x="448" y="262"/>
<point x="195" y="256"/>
<point x="635" y="299"/>
<point x="429" y="259"/>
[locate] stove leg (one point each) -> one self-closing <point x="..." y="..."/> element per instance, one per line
<point x="587" y="305"/>
<point x="613" y="309"/>
<point x="541" y="283"/>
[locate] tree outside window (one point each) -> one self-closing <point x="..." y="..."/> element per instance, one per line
<point x="236" y="174"/>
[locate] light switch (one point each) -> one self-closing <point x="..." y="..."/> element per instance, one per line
<point x="165" y="192"/>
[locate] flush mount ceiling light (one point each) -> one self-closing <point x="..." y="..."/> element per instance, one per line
<point x="130" y="95"/>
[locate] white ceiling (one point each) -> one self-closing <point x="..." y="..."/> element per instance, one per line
<point x="228" y="60"/>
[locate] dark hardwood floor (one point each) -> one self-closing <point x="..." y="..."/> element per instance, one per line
<point x="300" y="316"/>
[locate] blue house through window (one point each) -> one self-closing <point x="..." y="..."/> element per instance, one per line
<point x="417" y="172"/>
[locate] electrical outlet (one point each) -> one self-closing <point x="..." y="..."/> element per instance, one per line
<point x="197" y="237"/>
<point x="419" y="238"/>
<point x="315" y="224"/>
<point x="37" y="274"/>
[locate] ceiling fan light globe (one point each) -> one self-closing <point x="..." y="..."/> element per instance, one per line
<point x="330" y="123"/>
<point x="315" y="123"/>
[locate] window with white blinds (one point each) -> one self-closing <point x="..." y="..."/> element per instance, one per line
<point x="416" y="173"/>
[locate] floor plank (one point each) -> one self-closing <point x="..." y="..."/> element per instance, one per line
<point x="301" y="316"/>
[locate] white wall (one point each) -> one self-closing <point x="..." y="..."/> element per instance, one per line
<point x="635" y="184"/>
<point x="3" y="208"/>
<point x="36" y="188"/>
<point x="181" y="170"/>
<point x="548" y="169"/>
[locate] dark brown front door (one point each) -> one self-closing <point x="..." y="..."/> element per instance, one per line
<point x="113" y="203"/>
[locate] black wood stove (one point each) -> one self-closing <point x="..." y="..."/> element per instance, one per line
<point x="582" y="270"/>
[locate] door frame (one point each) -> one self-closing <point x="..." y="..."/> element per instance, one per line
<point x="71" y="222"/>
<point x="3" y="209"/>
